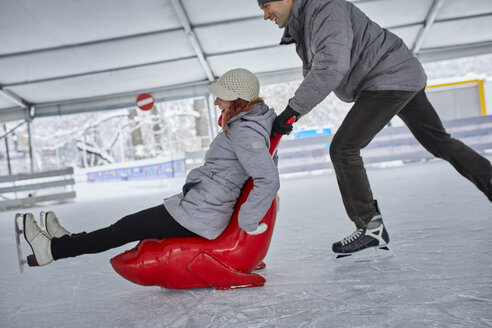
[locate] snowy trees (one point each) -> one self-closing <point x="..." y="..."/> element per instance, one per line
<point x="92" y="139"/>
<point x="328" y="114"/>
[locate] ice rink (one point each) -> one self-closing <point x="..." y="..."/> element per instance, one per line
<point x="440" y="276"/>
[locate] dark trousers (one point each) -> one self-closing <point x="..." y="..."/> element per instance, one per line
<point x="154" y="222"/>
<point x="371" y="112"/>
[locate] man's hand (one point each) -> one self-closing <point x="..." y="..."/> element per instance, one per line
<point x="262" y="227"/>
<point x="279" y="125"/>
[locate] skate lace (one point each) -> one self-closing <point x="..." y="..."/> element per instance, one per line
<point x="356" y="234"/>
<point x="44" y="233"/>
<point x="40" y="231"/>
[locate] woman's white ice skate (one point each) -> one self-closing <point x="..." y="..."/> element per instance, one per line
<point x="52" y="225"/>
<point x="39" y="241"/>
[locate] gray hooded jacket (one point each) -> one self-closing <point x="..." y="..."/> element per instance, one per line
<point x="211" y="191"/>
<point x="343" y="51"/>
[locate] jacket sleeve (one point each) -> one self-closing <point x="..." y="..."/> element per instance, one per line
<point x="252" y="152"/>
<point x="329" y="41"/>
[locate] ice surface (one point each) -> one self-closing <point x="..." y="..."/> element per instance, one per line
<point x="440" y="275"/>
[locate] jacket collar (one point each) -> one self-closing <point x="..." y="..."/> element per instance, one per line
<point x="236" y="117"/>
<point x="256" y="110"/>
<point x="295" y="24"/>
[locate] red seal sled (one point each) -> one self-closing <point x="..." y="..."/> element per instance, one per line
<point x="226" y="262"/>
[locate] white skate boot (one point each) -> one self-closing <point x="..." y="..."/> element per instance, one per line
<point x="39" y="241"/>
<point x="53" y="226"/>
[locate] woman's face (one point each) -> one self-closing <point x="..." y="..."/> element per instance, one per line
<point x="224" y="105"/>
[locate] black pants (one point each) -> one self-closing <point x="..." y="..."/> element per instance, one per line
<point x="154" y="222"/>
<point x="371" y="112"/>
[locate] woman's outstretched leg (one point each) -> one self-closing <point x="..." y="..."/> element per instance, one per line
<point x="154" y="222"/>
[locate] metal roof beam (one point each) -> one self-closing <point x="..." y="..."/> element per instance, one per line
<point x="61" y="77"/>
<point x="12" y="97"/>
<point x="429" y="21"/>
<point x="109" y="70"/>
<point x="89" y="43"/>
<point x="183" y="17"/>
<point x="452" y="19"/>
<point x="451" y="52"/>
<point x="27" y="109"/>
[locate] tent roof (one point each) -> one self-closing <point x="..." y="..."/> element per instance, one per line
<point x="68" y="56"/>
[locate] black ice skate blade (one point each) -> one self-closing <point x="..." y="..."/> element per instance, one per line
<point x="371" y="254"/>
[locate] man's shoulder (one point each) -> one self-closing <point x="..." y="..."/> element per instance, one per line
<point x="313" y="8"/>
<point x="318" y="4"/>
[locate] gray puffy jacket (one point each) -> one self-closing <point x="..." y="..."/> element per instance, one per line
<point x="211" y="191"/>
<point x="343" y="51"/>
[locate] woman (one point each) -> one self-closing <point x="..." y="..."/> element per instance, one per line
<point x="206" y="204"/>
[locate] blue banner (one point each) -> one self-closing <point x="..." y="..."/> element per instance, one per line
<point x="165" y="170"/>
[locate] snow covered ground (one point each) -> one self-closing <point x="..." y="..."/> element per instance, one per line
<point x="440" y="275"/>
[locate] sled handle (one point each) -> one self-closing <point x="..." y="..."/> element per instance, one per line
<point x="275" y="140"/>
<point x="291" y="120"/>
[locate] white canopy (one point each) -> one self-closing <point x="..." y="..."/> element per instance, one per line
<point x="68" y="56"/>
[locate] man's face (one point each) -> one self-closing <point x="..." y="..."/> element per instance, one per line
<point x="278" y="11"/>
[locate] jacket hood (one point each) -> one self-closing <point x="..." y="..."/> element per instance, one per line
<point x="260" y="117"/>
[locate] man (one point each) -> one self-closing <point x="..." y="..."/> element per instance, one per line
<point x="343" y="51"/>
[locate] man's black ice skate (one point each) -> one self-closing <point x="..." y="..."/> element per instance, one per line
<point x="366" y="244"/>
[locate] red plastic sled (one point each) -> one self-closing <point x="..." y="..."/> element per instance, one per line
<point x="226" y="262"/>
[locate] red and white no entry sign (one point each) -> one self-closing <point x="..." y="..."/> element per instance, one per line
<point x="145" y="101"/>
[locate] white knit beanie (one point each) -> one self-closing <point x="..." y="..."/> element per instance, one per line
<point x="236" y="83"/>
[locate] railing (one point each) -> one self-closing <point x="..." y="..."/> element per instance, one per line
<point x="21" y="190"/>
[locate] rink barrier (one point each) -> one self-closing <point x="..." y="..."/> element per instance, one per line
<point x="391" y="144"/>
<point x="397" y="143"/>
<point x="139" y="170"/>
<point x="194" y="159"/>
<point x="21" y="190"/>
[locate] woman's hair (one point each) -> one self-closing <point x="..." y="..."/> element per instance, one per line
<point x="239" y="105"/>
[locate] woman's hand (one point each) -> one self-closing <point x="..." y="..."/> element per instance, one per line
<point x="262" y="227"/>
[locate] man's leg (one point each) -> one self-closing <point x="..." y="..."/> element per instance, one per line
<point x="371" y="112"/>
<point x="424" y="123"/>
<point x="154" y="222"/>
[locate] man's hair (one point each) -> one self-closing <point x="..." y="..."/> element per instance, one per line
<point x="262" y="2"/>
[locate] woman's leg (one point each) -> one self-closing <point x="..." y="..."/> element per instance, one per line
<point x="154" y="222"/>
